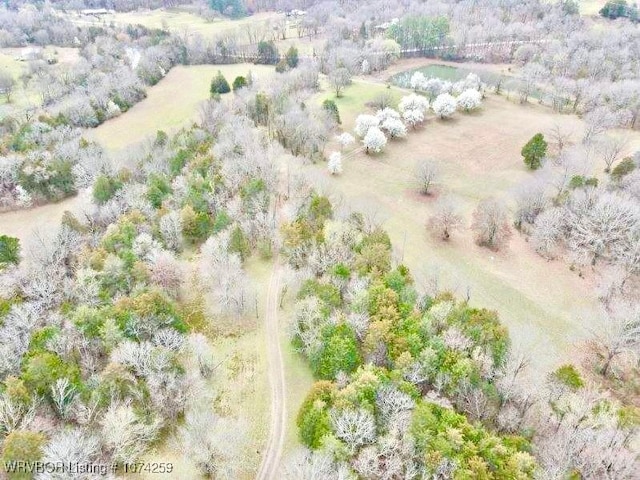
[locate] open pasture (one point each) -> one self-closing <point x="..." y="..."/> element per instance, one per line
<point x="169" y="105"/>
<point x="545" y="305"/>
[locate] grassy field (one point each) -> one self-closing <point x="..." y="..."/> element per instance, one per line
<point x="181" y="22"/>
<point x="169" y="105"/>
<point x="591" y="7"/>
<point x="544" y="304"/>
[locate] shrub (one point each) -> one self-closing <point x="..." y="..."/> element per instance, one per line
<point x="239" y="82"/>
<point x="569" y="376"/>
<point x="219" y="85"/>
<point x="9" y="250"/>
<point x="625" y="167"/>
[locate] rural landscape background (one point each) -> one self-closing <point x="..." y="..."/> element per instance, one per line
<point x="319" y="239"/>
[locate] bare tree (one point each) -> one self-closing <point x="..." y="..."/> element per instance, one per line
<point x="491" y="224"/>
<point x="559" y="137"/>
<point x="610" y="149"/>
<point x="445" y="219"/>
<point x="7" y="85"/>
<point x="339" y="79"/>
<point x="427" y="172"/>
<point x="618" y="335"/>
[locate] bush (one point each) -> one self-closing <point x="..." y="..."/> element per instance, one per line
<point x="22" y="446"/>
<point x="569" y="376"/>
<point x="625" y="167"/>
<point x="9" y="250"/>
<point x="219" y="85"/>
<point x="239" y="82"/>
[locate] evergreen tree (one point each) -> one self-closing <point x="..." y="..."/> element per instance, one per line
<point x="219" y="85"/>
<point x="239" y="82"/>
<point x="534" y="151"/>
<point x="291" y="57"/>
<point x="331" y="107"/>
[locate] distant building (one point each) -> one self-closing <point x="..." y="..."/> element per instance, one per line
<point x="296" y="13"/>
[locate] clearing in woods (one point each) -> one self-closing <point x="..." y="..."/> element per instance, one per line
<point x="545" y="305"/>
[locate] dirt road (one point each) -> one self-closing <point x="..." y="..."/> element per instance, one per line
<point x="271" y="459"/>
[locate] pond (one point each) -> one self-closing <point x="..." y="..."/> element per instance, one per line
<point x="453" y="74"/>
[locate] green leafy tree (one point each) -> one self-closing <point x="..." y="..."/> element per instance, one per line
<point x="239" y="244"/>
<point x="338" y="353"/>
<point x="231" y="8"/>
<point x="267" y="53"/>
<point x="619" y="9"/>
<point x="313" y="418"/>
<point x="9" y="250"/>
<point x="331" y="107"/>
<point x="219" y="85"/>
<point x="105" y="187"/>
<point x="239" y="82"/>
<point x="43" y="369"/>
<point x="420" y="32"/>
<point x="534" y="151"/>
<point x="291" y="57"/>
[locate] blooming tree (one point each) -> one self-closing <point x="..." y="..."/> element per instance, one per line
<point x="335" y="163"/>
<point x="364" y="123"/>
<point x="444" y="106"/>
<point x="469" y="100"/>
<point x="394" y="127"/>
<point x="413" y="117"/>
<point x="345" y="139"/>
<point x="413" y="102"/>
<point x="374" y="140"/>
<point x="418" y="81"/>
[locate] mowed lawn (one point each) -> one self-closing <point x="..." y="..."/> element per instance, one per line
<point x="545" y="305"/>
<point x="169" y="105"/>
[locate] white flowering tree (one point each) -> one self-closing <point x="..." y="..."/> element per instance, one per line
<point x="469" y="100"/>
<point x="444" y="105"/>
<point x="335" y="163"/>
<point x="413" y="102"/>
<point x="413" y="117"/>
<point x="413" y="108"/>
<point x="364" y="122"/>
<point x="394" y="127"/>
<point x="417" y="81"/>
<point x="386" y="114"/>
<point x="374" y="141"/>
<point x="345" y="139"/>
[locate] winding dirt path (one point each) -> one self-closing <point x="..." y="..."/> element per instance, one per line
<point x="271" y="459"/>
